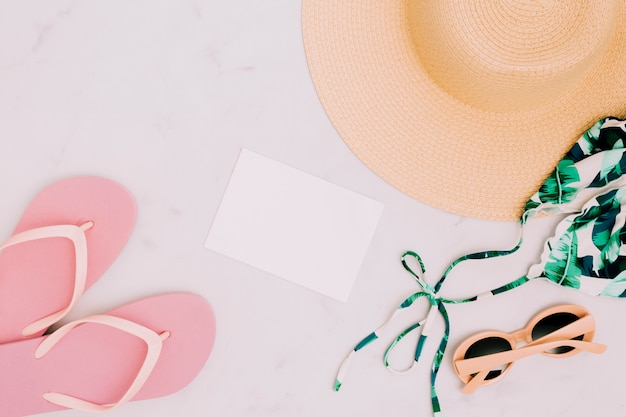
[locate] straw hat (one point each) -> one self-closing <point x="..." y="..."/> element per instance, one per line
<point x="466" y="105"/>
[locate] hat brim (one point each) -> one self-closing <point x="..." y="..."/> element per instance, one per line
<point x="417" y="137"/>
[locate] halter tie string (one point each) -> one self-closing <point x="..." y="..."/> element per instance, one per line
<point x="437" y="303"/>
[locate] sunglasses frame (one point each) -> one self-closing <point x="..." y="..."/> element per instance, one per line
<point x="523" y="335"/>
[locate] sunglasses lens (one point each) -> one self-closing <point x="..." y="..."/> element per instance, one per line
<point x="488" y="346"/>
<point x="554" y="322"/>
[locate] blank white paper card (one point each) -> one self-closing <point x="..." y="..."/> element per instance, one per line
<point x="294" y="225"/>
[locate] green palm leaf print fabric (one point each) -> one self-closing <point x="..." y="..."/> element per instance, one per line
<point x="587" y="251"/>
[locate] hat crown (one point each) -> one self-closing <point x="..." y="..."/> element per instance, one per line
<point x="510" y="55"/>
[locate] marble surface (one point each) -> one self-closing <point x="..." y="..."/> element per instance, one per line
<point x="161" y="96"/>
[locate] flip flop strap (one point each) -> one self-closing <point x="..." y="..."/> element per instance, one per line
<point x="153" y="340"/>
<point x="76" y="234"/>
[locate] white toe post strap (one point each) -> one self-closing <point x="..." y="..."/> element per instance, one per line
<point x="76" y="234"/>
<point x="154" y="343"/>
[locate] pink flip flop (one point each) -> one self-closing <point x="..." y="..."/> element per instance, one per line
<point x="68" y="236"/>
<point x="146" y="349"/>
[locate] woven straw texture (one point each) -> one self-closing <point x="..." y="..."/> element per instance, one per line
<point x="466" y="105"/>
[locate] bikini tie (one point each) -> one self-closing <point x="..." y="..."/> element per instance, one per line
<point x="436" y="304"/>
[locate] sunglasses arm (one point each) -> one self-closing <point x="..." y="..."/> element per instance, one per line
<point x="581" y="326"/>
<point x="487" y="362"/>
<point x="476" y="381"/>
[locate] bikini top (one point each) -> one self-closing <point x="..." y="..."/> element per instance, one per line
<point x="586" y="251"/>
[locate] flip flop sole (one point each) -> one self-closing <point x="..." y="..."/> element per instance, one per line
<point x="98" y="363"/>
<point x="37" y="277"/>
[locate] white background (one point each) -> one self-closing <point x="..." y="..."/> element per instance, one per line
<point x="161" y="96"/>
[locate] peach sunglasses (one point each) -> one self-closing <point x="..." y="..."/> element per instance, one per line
<point x="558" y="331"/>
